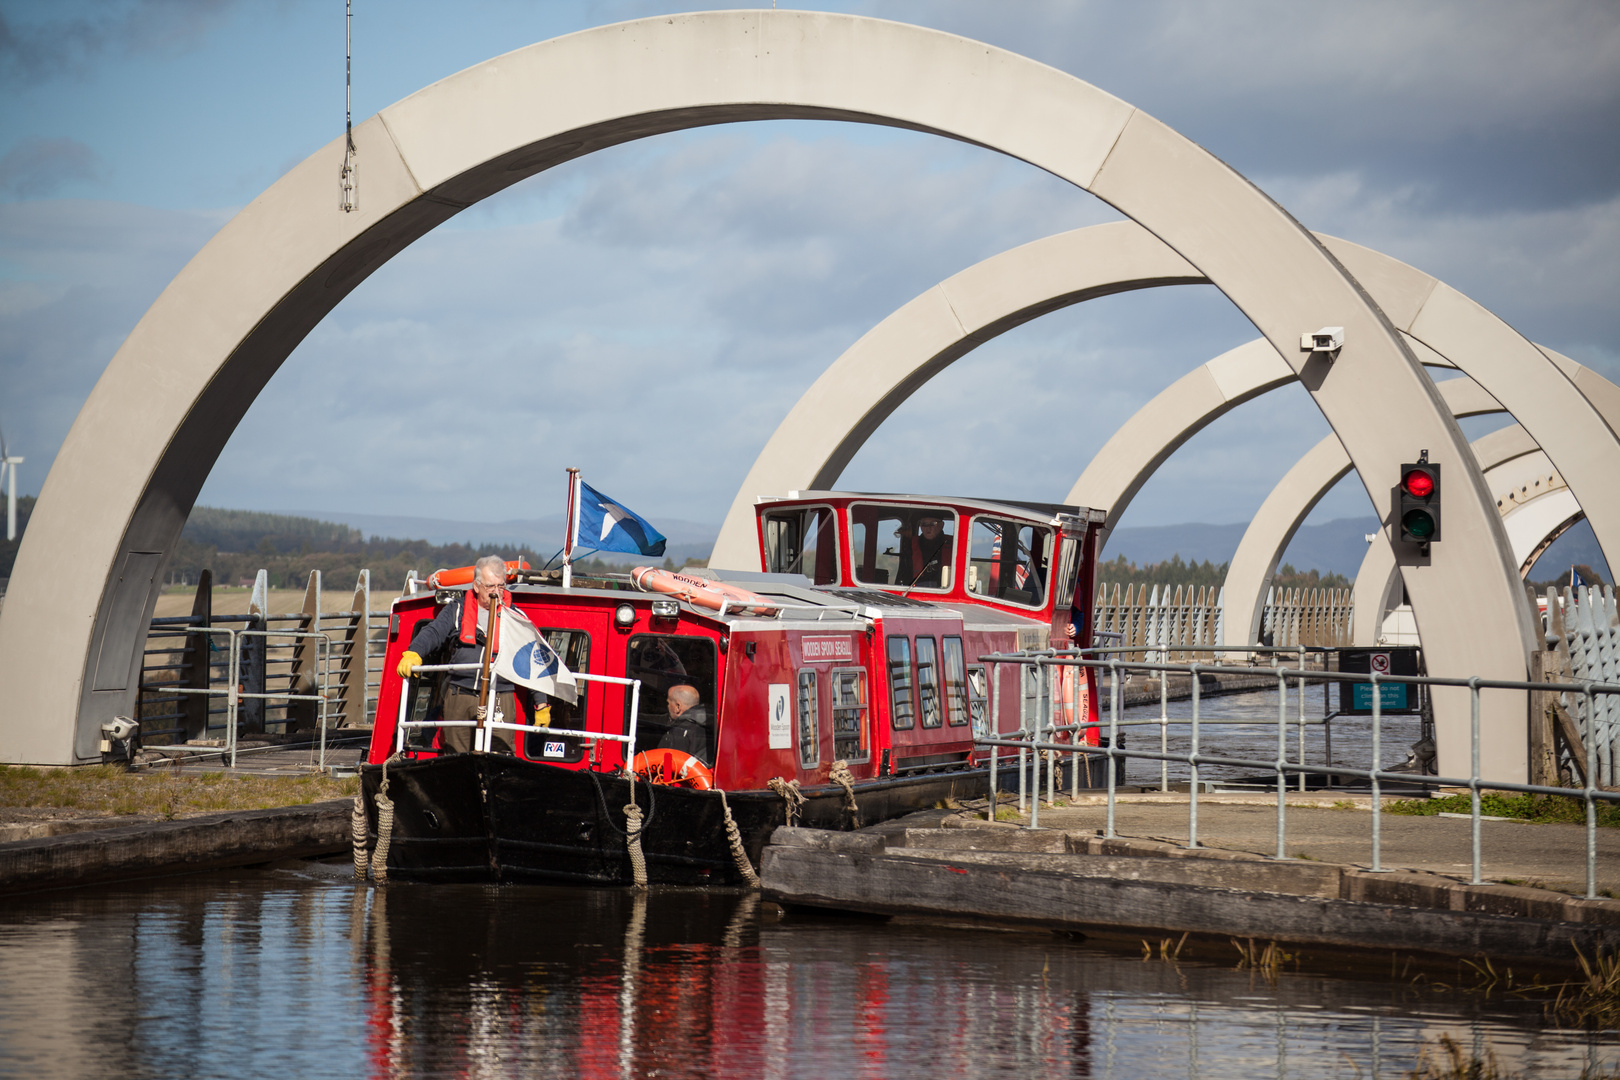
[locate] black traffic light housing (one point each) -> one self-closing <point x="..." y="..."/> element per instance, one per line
<point x="1417" y="510"/>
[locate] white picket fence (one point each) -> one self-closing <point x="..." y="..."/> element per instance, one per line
<point x="1586" y="624"/>
<point x="1171" y="620"/>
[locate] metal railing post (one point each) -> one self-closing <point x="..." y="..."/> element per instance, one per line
<point x="1591" y="790"/>
<point x="1113" y="736"/>
<point x="1377" y="764"/>
<point x="1282" y="766"/>
<point x="995" y="731"/>
<point x="1473" y="778"/>
<point x="1164" y="733"/>
<point x="1035" y="761"/>
<point x="1302" y="718"/>
<point x="1192" y="761"/>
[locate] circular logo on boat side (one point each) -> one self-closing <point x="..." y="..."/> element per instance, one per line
<point x="535" y="660"/>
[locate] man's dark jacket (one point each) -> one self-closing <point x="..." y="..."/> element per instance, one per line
<point x="446" y="626"/>
<point x="690" y="734"/>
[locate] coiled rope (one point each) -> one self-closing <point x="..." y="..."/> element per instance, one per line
<point x="358" y="835"/>
<point x="841" y="776"/>
<point x="638" y="861"/>
<point x="789" y="791"/>
<point x="734" y="838"/>
<point x="385" y="828"/>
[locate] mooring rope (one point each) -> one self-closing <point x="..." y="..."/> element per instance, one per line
<point x="841" y="776"/>
<point x="358" y="830"/>
<point x="638" y="861"/>
<point x="789" y="791"/>
<point x="385" y="828"/>
<point x="734" y="837"/>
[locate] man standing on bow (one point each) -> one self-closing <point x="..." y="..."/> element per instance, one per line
<point x="468" y="624"/>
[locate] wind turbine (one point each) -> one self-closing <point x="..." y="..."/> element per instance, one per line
<point x="9" y="462"/>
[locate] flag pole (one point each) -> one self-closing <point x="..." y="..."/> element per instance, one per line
<point x="570" y="527"/>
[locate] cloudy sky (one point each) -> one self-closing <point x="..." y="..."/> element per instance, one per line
<point x="651" y="313"/>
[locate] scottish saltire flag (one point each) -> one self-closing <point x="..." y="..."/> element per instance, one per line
<point x="526" y="659"/>
<point x="1575" y="579"/>
<point x="604" y="525"/>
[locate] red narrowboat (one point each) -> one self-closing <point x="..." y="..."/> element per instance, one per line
<point x="839" y="685"/>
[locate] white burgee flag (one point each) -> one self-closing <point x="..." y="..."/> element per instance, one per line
<point x="526" y="659"/>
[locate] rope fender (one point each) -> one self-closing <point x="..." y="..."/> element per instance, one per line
<point x="789" y="791"/>
<point x="841" y="776"/>
<point x="734" y="837"/>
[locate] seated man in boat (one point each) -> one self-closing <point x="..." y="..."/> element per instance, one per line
<point x="466" y="625"/>
<point x="925" y="553"/>
<point x="689" y="732"/>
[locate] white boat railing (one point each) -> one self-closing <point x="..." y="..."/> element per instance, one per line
<point x="482" y="736"/>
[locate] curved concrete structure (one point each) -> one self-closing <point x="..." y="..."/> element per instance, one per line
<point x="1290" y="503"/>
<point x="129" y="471"/>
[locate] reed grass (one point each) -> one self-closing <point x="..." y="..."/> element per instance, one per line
<point x="1536" y="808"/>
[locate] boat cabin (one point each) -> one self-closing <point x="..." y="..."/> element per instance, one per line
<point x="880" y="608"/>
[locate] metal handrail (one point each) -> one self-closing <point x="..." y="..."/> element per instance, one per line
<point x="1043" y="662"/>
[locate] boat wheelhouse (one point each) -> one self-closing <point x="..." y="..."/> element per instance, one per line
<point x="852" y="681"/>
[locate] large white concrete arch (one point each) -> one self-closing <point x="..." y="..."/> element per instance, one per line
<point x="128" y="473"/>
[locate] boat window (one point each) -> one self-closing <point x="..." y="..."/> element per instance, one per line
<point x="803" y="540"/>
<point x="928" y="681"/>
<point x="1007" y="561"/>
<point x="661" y="661"/>
<point x="978" y="701"/>
<point x="911" y="547"/>
<point x="849" y="714"/>
<point x="956" y="700"/>
<point x="1068" y="570"/>
<point x="809" y="745"/>
<point x="902" y="702"/>
<point x="574" y="646"/>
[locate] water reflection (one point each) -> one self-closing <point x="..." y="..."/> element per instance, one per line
<point x="296" y="972"/>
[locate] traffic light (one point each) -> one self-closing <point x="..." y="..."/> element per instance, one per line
<point x="1418" y="510"/>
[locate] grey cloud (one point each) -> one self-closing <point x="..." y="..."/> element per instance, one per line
<point x="37" y="167"/>
<point x="38" y="50"/>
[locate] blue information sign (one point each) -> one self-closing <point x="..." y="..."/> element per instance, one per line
<point x="1391" y="696"/>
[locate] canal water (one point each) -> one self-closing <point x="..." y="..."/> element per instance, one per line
<point x="294" y="971"/>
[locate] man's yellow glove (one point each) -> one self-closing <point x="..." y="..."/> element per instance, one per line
<point x="406" y="662"/>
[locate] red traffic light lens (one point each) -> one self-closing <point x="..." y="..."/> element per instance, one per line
<point x="1418" y="483"/>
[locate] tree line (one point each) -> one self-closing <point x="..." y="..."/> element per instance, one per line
<point x="1176" y="571"/>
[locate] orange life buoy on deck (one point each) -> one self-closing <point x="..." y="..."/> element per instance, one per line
<point x="673" y="767"/>
<point x="463" y="575"/>
<point x="702" y="592"/>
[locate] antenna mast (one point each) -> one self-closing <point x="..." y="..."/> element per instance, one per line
<point x="350" y="201"/>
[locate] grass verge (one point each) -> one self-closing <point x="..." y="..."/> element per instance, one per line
<point x="110" y="791"/>
<point x="1537" y="808"/>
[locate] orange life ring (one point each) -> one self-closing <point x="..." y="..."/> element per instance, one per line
<point x="463" y="575"/>
<point x="702" y="592"/>
<point x="676" y="768"/>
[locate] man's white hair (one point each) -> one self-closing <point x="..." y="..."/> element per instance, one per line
<point x="490" y="565"/>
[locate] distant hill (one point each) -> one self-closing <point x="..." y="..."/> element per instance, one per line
<point x="687" y="539"/>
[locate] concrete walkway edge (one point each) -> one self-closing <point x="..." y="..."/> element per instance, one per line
<point x="188" y="845"/>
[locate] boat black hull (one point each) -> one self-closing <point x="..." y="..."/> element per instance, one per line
<point x="494" y="818"/>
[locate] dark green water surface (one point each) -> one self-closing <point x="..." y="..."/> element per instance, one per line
<point x="297" y="972"/>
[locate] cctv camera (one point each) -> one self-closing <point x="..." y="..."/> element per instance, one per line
<point x="120" y="728"/>
<point x="1329" y="339"/>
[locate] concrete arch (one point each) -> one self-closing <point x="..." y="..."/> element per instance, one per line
<point x="158" y="418"/>
<point x="1287" y="506"/>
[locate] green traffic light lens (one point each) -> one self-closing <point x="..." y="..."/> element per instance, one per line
<point x="1418" y="523"/>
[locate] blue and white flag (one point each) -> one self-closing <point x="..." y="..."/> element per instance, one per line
<point x="528" y="660"/>
<point x="604" y="525"/>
